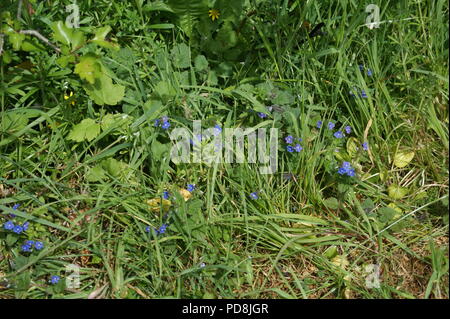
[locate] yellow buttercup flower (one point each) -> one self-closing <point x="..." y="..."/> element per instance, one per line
<point x="66" y="97"/>
<point x="214" y="14"/>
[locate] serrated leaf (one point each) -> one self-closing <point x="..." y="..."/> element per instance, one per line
<point x="397" y="192"/>
<point x="89" y="68"/>
<point x="331" y="203"/>
<point x="99" y="38"/>
<point x="181" y="56"/>
<point x="403" y="158"/>
<point x="88" y="130"/>
<point x="201" y="63"/>
<point x="96" y="174"/>
<point x="103" y="91"/>
<point x="61" y="32"/>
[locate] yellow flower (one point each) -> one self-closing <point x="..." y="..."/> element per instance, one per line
<point x="66" y="97"/>
<point x="214" y="14"/>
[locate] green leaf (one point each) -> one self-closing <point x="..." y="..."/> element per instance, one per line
<point x="181" y="56"/>
<point x="62" y="33"/>
<point x="88" y="130"/>
<point x="403" y="158"/>
<point x="65" y="60"/>
<point x="352" y="147"/>
<point x="16" y="40"/>
<point x="201" y="63"/>
<point x="331" y="203"/>
<point x="99" y="38"/>
<point x="386" y="214"/>
<point x="103" y="91"/>
<point x="89" y="68"/>
<point x="397" y="192"/>
<point x="96" y="174"/>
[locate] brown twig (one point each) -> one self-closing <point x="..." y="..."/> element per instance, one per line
<point x="41" y="37"/>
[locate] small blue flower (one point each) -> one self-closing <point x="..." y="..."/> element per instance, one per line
<point x="39" y="245"/>
<point x="147" y="229"/>
<point x="26" y="248"/>
<point x="363" y="94"/>
<point x="290" y="149"/>
<point x="29" y="242"/>
<point x="165" y="125"/>
<point x="25" y="226"/>
<point x="338" y="134"/>
<point x="351" y="172"/>
<point x="346" y="165"/>
<point x="342" y="171"/>
<point x="54" y="280"/>
<point x="319" y="124"/>
<point x="289" y="139"/>
<point x="262" y="115"/>
<point x="166" y="195"/>
<point x="16" y="206"/>
<point x="18" y="229"/>
<point x="254" y="195"/>
<point x="298" y="148"/>
<point x="331" y="125"/>
<point x="157" y="121"/>
<point x="164" y="119"/>
<point x="361" y="67"/>
<point x="191" y="187"/>
<point x="369" y="72"/>
<point x="8" y="225"/>
<point x="348" y="129"/>
<point x="202" y="265"/>
<point x="365" y="146"/>
<point x="217" y="130"/>
<point x="162" y="229"/>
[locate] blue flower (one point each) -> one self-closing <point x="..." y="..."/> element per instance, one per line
<point x="166" y="195"/>
<point x="165" y="125"/>
<point x="8" y="225"/>
<point x="290" y="149"/>
<point x="191" y="187"/>
<point x="298" y="148"/>
<point x="25" y="226"/>
<point x="202" y="265"/>
<point x="147" y="229"/>
<point x="162" y="229"/>
<point x="164" y="119"/>
<point x="319" y="124"/>
<point x="29" y="242"/>
<point x="289" y="139"/>
<point x="217" y="130"/>
<point x="361" y="67"/>
<point x="338" y="134"/>
<point x="39" y="245"/>
<point x="348" y="129"/>
<point x="369" y="72"/>
<point x="16" y="206"/>
<point x="26" y="248"/>
<point x="157" y="121"/>
<point x="262" y="115"/>
<point x="363" y="94"/>
<point x="18" y="229"/>
<point x="365" y="146"/>
<point x="54" y="280"/>
<point x="330" y="125"/>
<point x="346" y="169"/>
<point x="254" y="195"/>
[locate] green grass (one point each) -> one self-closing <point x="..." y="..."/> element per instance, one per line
<point x="286" y="244"/>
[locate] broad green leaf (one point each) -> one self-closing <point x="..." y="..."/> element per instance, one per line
<point x="16" y="40"/>
<point x="99" y="38"/>
<point x="181" y="56"/>
<point x="403" y="158"/>
<point x="386" y="214"/>
<point x="397" y="192"/>
<point x="65" y="60"/>
<point x="89" y="68"/>
<point x="103" y="91"/>
<point x="96" y="174"/>
<point x="61" y="32"/>
<point x="201" y="63"/>
<point x="88" y="130"/>
<point x="31" y="46"/>
<point x="331" y="203"/>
